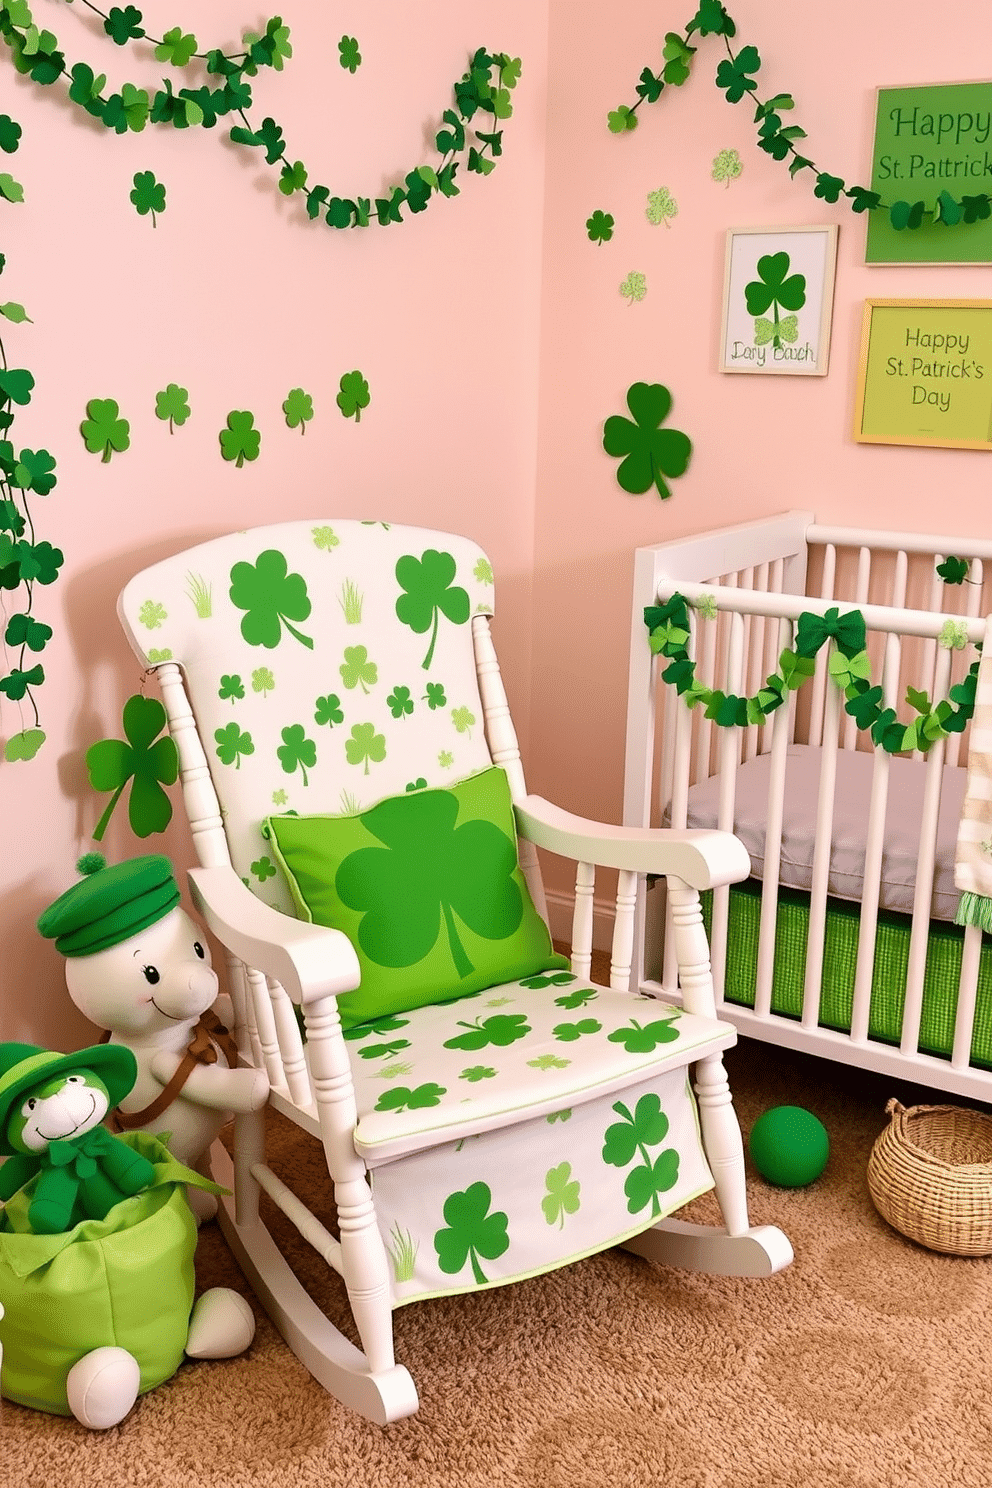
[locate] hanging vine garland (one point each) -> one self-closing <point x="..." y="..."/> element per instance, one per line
<point x="482" y="93"/>
<point x="735" y="77"/>
<point x="849" y="667"/>
<point x="24" y="562"/>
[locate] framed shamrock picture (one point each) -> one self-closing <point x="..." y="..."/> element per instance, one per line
<point x="778" y="295"/>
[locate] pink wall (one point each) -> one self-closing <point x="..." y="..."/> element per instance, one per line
<point x="237" y="297"/>
<point x="761" y="444"/>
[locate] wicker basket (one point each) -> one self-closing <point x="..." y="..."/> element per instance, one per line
<point x="930" y="1176"/>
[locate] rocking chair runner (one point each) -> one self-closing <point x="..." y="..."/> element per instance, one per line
<point x="486" y="1114"/>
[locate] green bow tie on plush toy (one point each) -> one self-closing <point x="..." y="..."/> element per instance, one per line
<point x="51" y="1107"/>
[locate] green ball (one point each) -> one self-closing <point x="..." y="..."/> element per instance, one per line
<point x="789" y="1146"/>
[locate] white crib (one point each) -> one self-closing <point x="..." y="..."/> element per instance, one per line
<point x="846" y="948"/>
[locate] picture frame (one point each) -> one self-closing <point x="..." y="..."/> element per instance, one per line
<point x="925" y="374"/>
<point x="778" y="291"/>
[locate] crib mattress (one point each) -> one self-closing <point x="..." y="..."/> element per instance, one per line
<point x="851" y="802"/>
<point x="888" y="993"/>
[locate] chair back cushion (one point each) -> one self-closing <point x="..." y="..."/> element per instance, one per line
<point x="428" y="889"/>
<point x="329" y="664"/>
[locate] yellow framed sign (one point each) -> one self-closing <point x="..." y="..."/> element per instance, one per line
<point x="925" y="374"/>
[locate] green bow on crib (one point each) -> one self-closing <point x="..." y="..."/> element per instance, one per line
<point x="848" y="630"/>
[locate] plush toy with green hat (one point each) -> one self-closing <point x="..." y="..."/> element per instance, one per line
<point x="137" y="965"/>
<point x="51" y="1110"/>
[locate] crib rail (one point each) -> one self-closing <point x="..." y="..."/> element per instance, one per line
<point x="761" y="578"/>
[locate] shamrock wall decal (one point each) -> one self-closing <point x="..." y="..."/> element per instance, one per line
<point x="148" y="195"/>
<point x="103" y="429"/>
<point x="240" y="441"/>
<point x="354" y="395"/>
<point x="145" y="759"/>
<point x="172" y="405"/>
<point x="651" y="453"/>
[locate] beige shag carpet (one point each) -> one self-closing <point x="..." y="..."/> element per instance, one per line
<point x="868" y="1363"/>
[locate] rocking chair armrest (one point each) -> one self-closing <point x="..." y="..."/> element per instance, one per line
<point x="310" y="961"/>
<point x="703" y="858"/>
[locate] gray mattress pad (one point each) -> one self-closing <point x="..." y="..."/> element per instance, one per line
<point x="850" y="824"/>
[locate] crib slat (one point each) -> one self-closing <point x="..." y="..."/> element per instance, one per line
<point x="874" y="846"/>
<point x="681" y="760"/>
<point x="706" y="631"/>
<point x="754" y="647"/>
<point x="729" y="754"/>
<point x="964" y="1017"/>
<point x="820" y="675"/>
<point x="821" y="860"/>
<point x="780" y="728"/>
<point x="973" y="602"/>
<point x="861" y="591"/>
<point x="919" y="935"/>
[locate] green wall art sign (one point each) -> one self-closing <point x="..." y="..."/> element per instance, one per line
<point x="925" y="375"/>
<point x="777" y="299"/>
<point x="932" y="145"/>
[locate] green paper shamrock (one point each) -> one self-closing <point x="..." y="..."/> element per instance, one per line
<point x="634" y="287"/>
<point x="176" y="47"/>
<point x="733" y="76"/>
<point x="661" y="206"/>
<point x="16" y="384"/>
<point x="10" y="135"/>
<point x="426" y="872"/>
<point x="232" y="743"/>
<point x="240" y="441"/>
<point x="727" y="166"/>
<point x="621" y="119"/>
<point x="33" y="471"/>
<point x="349" y="55"/>
<point x="10" y="189"/>
<point x="365" y="745"/>
<point x="103" y="430"/>
<point x="954" y="570"/>
<point x="23" y="746"/>
<point x="15" y="313"/>
<point x="429" y="592"/>
<point x="172" y="403"/>
<point x="297" y="751"/>
<point x="562" y="1196"/>
<point x="298" y="409"/>
<point x="148" y="194"/>
<point x="651" y="453"/>
<point x="599" y="227"/>
<point x="272" y="598"/>
<point x="472" y="1232"/>
<point x="124" y="25"/>
<point x="145" y="759"/>
<point x="354" y="395"/>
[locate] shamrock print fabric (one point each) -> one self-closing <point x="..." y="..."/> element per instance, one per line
<point x="329" y="664"/>
<point x="506" y="1204"/>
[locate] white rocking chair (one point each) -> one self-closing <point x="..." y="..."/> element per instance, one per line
<point x="525" y="1117"/>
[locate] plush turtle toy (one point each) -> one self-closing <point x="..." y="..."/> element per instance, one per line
<point x="51" y="1110"/>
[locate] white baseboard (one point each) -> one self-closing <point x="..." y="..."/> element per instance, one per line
<point x="560" y="907"/>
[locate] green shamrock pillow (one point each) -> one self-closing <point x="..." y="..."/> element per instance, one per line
<point x="428" y="889"/>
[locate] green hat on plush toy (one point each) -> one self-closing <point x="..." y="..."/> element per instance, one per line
<point x="109" y="905"/>
<point x="24" y="1066"/>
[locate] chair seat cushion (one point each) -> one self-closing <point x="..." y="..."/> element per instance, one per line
<point x="427" y="887"/>
<point x="525" y="1049"/>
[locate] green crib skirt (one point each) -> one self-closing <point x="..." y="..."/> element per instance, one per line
<point x="888" y="988"/>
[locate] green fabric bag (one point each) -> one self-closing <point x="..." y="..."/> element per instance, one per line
<point x="126" y="1281"/>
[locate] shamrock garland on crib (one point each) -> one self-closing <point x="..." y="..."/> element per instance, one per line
<point x="668" y="627"/>
<point x="36" y="54"/>
<point x="735" y="76"/>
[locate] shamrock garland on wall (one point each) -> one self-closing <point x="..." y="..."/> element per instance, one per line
<point x="849" y="667"/>
<point x="482" y="95"/>
<point x="736" y="77"/>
